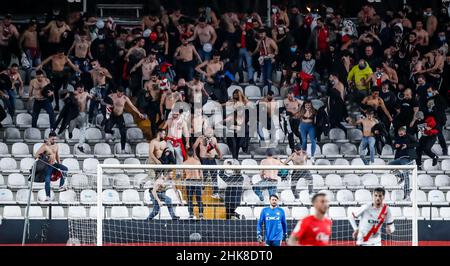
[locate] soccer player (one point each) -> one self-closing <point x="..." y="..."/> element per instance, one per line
<point x="275" y="224"/>
<point x="372" y="216"/>
<point x="313" y="230"/>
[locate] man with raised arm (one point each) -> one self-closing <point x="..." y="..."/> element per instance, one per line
<point x="119" y="100"/>
<point x="58" y="76"/>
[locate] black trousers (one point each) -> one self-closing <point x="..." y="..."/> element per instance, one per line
<point x="425" y="144"/>
<point x="232" y="199"/>
<point x="120" y="122"/>
<point x="294" y="123"/>
<point x="441" y="138"/>
<point x="47" y="106"/>
<point x="58" y="79"/>
<point x="235" y="144"/>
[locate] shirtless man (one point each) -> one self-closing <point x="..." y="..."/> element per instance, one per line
<point x="299" y="157"/>
<point x="184" y="55"/>
<point x="82" y="51"/>
<point x="80" y="121"/>
<point x="58" y="76"/>
<point x="177" y="127"/>
<point x="137" y="51"/>
<point x="41" y="101"/>
<point x="8" y="32"/>
<point x="17" y="85"/>
<point x="119" y="100"/>
<point x="194" y="184"/>
<point x="168" y="100"/>
<point x="368" y="139"/>
<point x="437" y="62"/>
<point x="375" y="102"/>
<point x="175" y="16"/>
<point x="271" y="107"/>
<point x="50" y="149"/>
<point x="55" y="30"/>
<point x="269" y="178"/>
<point x="99" y="75"/>
<point x="147" y="65"/>
<point x="159" y="197"/>
<point x="423" y="38"/>
<point x="29" y="44"/>
<point x="205" y="33"/>
<point x="211" y="68"/>
<point x="268" y="50"/>
<point x="208" y="153"/>
<point x="292" y="106"/>
<point x="431" y="21"/>
<point x="196" y="92"/>
<point x="379" y="76"/>
<point x="157" y="147"/>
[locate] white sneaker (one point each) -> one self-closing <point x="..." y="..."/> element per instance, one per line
<point x="313" y="160"/>
<point x="47" y="199"/>
<point x="215" y="196"/>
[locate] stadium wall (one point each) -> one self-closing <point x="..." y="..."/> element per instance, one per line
<point x="238" y="232"/>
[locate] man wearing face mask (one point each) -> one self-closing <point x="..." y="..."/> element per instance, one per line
<point x="436" y="106"/>
<point x="359" y="77"/>
<point x="430" y="21"/>
<point x="406" y="109"/>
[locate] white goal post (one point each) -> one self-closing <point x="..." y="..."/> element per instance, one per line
<point x="411" y="169"/>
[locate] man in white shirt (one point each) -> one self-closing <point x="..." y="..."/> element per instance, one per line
<point x="371" y="217"/>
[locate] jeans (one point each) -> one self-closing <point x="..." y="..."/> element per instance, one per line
<point x="168" y="201"/>
<point x="370" y="143"/>
<point x="244" y="54"/>
<point x="305" y="130"/>
<point x="34" y="57"/>
<point x="203" y="55"/>
<point x="47" y="106"/>
<point x="295" y="177"/>
<point x="176" y="151"/>
<point x="94" y="104"/>
<point x="271" y="187"/>
<point x="48" y="176"/>
<point x="194" y="191"/>
<point x="10" y="103"/>
<point x="80" y="122"/>
<point x="266" y="69"/>
<point x="403" y="175"/>
<point x="211" y="173"/>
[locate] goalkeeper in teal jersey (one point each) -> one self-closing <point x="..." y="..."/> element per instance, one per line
<point x="275" y="225"/>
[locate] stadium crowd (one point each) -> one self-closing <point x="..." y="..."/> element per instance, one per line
<point x="391" y="67"/>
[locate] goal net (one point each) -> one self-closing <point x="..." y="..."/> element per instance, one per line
<point x="219" y="205"/>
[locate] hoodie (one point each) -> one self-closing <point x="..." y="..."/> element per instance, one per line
<point x="431" y="122"/>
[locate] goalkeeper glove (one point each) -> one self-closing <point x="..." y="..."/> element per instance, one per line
<point x="260" y="238"/>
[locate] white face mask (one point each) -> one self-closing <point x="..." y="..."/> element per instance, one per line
<point x="274" y="10"/>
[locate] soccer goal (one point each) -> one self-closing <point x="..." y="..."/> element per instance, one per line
<point x="219" y="205"/>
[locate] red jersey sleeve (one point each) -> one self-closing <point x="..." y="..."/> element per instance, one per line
<point x="301" y="228"/>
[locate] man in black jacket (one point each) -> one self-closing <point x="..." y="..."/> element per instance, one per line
<point x="436" y="106"/>
<point x="405" y="153"/>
